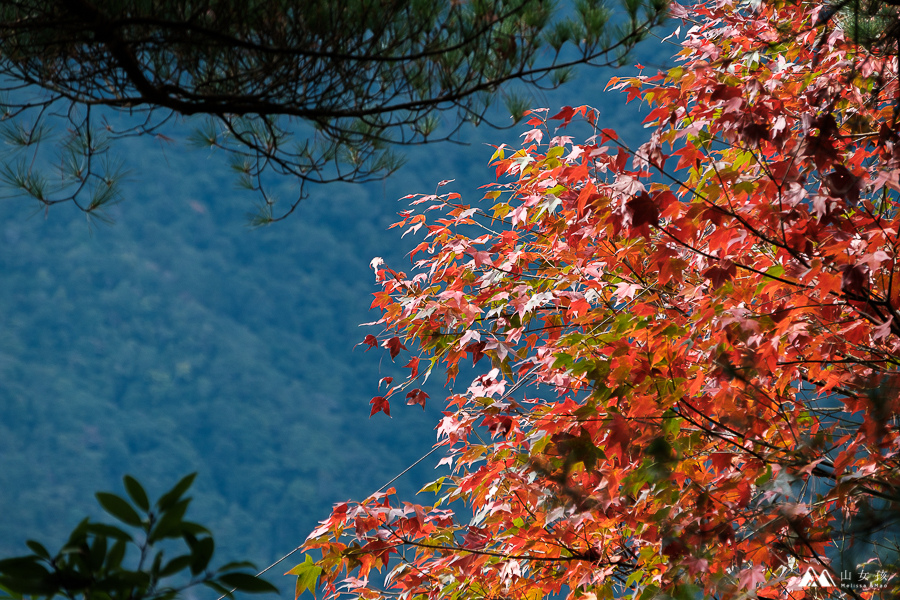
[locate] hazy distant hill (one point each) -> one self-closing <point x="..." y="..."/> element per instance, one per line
<point x="179" y="340"/>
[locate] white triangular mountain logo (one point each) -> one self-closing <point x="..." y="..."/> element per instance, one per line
<point x="813" y="579"/>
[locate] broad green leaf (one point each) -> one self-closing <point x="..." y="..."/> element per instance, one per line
<point x="29" y="587"/>
<point x="98" y="550"/>
<point x="762" y="479"/>
<point x="171" y="524"/>
<point x="116" y="554"/>
<point x="239" y="564"/>
<point x="201" y="553"/>
<point x="136" y="492"/>
<point x="246" y="582"/>
<point x="434" y="486"/>
<point x="24" y="567"/>
<point x="119" y="508"/>
<point x="156" y="567"/>
<point x="168" y="499"/>
<point x="38" y="549"/>
<point x="194" y="529"/>
<point x="220" y="589"/>
<point x="307" y="574"/>
<point x="107" y="530"/>
<point x="179" y="563"/>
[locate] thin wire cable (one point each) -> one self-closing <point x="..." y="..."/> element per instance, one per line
<point x="508" y="393"/>
<point x="297" y="549"/>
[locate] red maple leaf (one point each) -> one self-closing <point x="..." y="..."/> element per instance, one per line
<point x="417" y="396"/>
<point x="380" y="404"/>
<point x="394" y="345"/>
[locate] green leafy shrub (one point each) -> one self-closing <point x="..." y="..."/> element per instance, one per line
<point x="98" y="562"/>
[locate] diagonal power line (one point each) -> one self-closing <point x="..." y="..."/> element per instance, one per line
<point x="297" y="549"/>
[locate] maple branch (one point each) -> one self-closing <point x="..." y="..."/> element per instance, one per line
<point x="817" y="470"/>
<point x="737" y="264"/>
<point x="530" y="557"/>
<point x="733" y="214"/>
<point x="726" y="428"/>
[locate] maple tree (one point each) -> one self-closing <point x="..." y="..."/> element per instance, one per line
<point x="693" y="345"/>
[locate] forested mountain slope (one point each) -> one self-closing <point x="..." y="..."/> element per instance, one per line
<point x="178" y="340"/>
